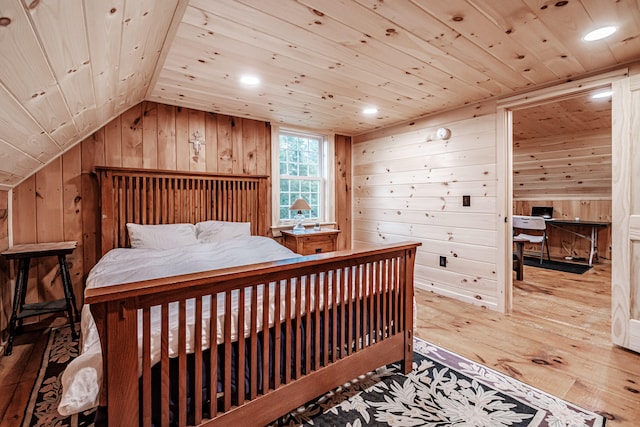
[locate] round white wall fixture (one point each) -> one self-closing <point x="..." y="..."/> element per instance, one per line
<point x="443" y="133"/>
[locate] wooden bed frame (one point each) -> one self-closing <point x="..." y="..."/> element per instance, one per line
<point x="377" y="280"/>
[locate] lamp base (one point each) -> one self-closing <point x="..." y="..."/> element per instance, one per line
<point x="299" y="218"/>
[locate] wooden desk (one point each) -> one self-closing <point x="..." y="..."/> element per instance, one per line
<point x="310" y="241"/>
<point x="20" y="310"/>
<point x="518" y="262"/>
<point x="570" y="226"/>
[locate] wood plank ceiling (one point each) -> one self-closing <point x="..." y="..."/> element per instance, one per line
<point x="70" y="66"/>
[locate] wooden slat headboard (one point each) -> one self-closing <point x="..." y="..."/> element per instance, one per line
<point x="147" y="196"/>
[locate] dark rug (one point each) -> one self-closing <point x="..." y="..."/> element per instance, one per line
<point x="567" y="267"/>
<point x="443" y="389"/>
<point x="42" y="409"/>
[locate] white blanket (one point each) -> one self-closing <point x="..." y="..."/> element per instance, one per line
<point x="82" y="378"/>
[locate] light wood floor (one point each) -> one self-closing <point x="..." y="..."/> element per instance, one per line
<point x="556" y="339"/>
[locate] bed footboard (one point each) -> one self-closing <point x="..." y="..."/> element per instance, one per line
<point x="344" y="313"/>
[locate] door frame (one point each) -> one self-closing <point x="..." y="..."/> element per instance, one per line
<point x="504" y="166"/>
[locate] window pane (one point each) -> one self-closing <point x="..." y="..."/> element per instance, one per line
<point x="291" y="155"/>
<point x="314" y="153"/>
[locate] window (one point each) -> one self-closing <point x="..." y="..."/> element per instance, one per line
<point x="300" y="173"/>
<point x="301" y="170"/>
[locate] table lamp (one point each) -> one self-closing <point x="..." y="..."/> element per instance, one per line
<point x="299" y="205"/>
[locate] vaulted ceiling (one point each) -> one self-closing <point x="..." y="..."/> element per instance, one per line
<point x="71" y="66"/>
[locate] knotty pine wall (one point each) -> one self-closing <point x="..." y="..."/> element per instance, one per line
<point x="343" y="190"/>
<point x="408" y="185"/>
<point x="60" y="202"/>
<point x="563" y="166"/>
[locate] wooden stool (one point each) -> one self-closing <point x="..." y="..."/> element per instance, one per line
<point x="24" y="253"/>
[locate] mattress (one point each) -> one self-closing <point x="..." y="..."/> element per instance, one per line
<point x="82" y="378"/>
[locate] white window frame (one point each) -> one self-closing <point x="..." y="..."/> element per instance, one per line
<point x="327" y="193"/>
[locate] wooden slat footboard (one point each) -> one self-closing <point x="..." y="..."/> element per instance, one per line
<point x="303" y="326"/>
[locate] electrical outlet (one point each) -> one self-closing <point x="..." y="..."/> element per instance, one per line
<point x="443" y="261"/>
<point x="466" y="200"/>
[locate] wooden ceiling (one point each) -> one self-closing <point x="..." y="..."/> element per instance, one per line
<point x="70" y="66"/>
<point x="580" y="114"/>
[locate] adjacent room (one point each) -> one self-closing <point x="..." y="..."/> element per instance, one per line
<point x="350" y="212"/>
<point x="562" y="173"/>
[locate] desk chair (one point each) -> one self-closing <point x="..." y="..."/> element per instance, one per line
<point x="533" y="223"/>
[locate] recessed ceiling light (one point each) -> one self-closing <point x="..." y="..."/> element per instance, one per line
<point x="250" y="80"/>
<point x="603" y="94"/>
<point x="599" y="34"/>
<point x="369" y="111"/>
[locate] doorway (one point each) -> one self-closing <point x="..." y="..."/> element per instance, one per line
<point x="551" y="112"/>
<point x="562" y="162"/>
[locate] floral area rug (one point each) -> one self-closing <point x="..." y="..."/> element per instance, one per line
<point x="443" y="389"/>
<point x="47" y="390"/>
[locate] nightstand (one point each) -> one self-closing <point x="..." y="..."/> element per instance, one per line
<point x="311" y="241"/>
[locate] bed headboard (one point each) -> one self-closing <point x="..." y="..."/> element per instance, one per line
<point x="147" y="196"/>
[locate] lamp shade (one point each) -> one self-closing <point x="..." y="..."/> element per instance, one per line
<point x="300" y="205"/>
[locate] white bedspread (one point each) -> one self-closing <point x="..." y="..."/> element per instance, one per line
<point x="82" y="378"/>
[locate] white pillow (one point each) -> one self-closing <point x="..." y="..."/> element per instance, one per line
<point x="215" y="231"/>
<point x="161" y="236"/>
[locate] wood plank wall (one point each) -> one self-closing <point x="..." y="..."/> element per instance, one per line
<point x="60" y="202"/>
<point x="561" y="167"/>
<point x="343" y="190"/>
<point x="408" y="185"/>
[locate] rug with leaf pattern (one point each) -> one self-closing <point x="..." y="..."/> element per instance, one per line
<point x="42" y="408"/>
<point x="443" y="389"/>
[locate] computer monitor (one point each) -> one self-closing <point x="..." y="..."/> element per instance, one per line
<point x="544" y="211"/>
